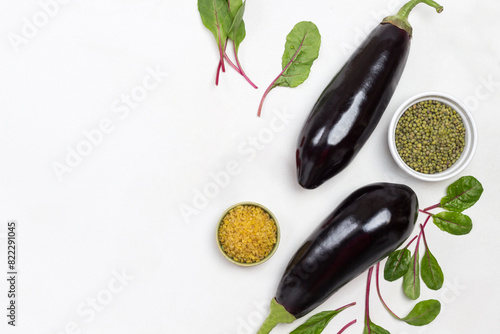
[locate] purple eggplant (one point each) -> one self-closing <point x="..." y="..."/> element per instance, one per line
<point x="352" y="104"/>
<point x="366" y="227"/>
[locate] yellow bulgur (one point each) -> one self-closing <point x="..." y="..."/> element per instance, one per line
<point x="247" y="233"/>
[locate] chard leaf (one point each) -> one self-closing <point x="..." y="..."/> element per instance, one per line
<point x="462" y="194"/>
<point x="423" y="313"/>
<point x="301" y="49"/>
<point x="397" y="264"/>
<point x="317" y="323"/>
<point x="454" y="223"/>
<point x="237" y="31"/>
<point x="216" y="18"/>
<point x="374" y="329"/>
<point x="431" y="272"/>
<point x="234" y="6"/>
<point x="411" y="280"/>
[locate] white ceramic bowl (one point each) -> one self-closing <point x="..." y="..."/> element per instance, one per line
<point x="470" y="136"/>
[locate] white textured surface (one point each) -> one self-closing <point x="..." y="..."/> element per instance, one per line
<point x="118" y="211"/>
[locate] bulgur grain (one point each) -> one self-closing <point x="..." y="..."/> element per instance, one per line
<point x="247" y="234"/>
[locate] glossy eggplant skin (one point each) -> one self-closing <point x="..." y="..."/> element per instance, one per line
<point x="351" y="106"/>
<point x="366" y="227"/>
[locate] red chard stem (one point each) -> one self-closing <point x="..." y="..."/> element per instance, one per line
<point x="218" y="74"/>
<point x="380" y="294"/>
<point x="240" y="68"/>
<point x="226" y="57"/>
<point x="347" y="326"/>
<point x="435" y="206"/>
<point x="425" y="223"/>
<point x="367" y="300"/>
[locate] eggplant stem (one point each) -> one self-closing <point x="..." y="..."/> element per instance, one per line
<point x="404" y="12"/>
<point x="400" y="20"/>
<point x="277" y="315"/>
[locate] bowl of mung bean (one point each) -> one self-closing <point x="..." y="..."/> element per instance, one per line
<point x="247" y="234"/>
<point x="432" y="136"/>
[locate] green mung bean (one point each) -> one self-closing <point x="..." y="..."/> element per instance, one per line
<point x="430" y="136"/>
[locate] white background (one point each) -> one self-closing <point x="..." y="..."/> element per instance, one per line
<point x="104" y="248"/>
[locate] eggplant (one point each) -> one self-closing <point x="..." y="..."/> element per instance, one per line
<point x="350" y="107"/>
<point x="366" y="227"/>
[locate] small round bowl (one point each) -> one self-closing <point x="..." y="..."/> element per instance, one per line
<point x="271" y="253"/>
<point x="470" y="136"/>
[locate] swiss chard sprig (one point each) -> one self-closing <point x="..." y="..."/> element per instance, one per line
<point x="224" y="18"/>
<point x="422" y="313"/>
<point x="460" y="195"/>
<point x="301" y="49"/>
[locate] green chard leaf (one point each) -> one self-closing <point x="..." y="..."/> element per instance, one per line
<point x="301" y="49"/>
<point x="397" y="264"/>
<point x="431" y="272"/>
<point x="411" y="280"/>
<point x="462" y="194"/>
<point x="374" y="329"/>
<point x="423" y="313"/>
<point x="454" y="223"/>
<point x="216" y="18"/>
<point x="317" y="323"/>
<point x="237" y="31"/>
<point x="234" y="6"/>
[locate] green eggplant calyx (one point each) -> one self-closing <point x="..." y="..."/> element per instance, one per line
<point x="277" y="315"/>
<point x="400" y="20"/>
